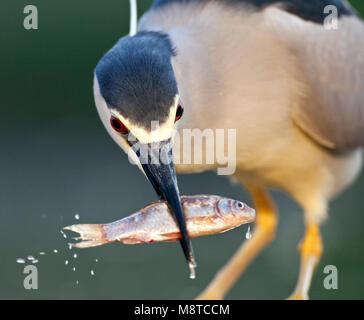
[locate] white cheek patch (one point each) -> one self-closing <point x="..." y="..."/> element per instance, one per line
<point x="159" y="132"/>
<point x="104" y="114"/>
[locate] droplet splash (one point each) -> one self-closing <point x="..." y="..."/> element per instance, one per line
<point x="33" y="260"/>
<point x="192" y="267"/>
<point x="248" y="234"/>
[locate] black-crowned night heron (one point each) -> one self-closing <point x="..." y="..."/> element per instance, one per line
<point x="288" y="83"/>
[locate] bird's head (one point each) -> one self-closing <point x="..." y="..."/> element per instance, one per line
<point x="137" y="99"/>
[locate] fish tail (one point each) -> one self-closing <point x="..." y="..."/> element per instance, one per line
<point x="91" y="235"/>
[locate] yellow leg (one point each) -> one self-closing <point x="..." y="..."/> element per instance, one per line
<point x="310" y="251"/>
<point x="264" y="233"/>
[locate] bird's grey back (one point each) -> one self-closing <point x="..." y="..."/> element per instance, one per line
<point x="312" y="10"/>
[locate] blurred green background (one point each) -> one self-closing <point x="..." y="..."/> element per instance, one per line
<point x="57" y="160"/>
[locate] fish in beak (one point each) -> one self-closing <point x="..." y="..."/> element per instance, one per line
<point x="157" y="162"/>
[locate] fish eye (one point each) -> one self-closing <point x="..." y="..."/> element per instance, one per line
<point x="118" y="126"/>
<point x="179" y="112"/>
<point x="240" y="204"/>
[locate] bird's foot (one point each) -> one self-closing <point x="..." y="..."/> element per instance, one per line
<point x="298" y="296"/>
<point x="209" y="295"/>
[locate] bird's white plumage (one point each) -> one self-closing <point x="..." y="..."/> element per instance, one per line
<point x="160" y="130"/>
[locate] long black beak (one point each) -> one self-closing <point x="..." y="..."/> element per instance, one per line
<point x="157" y="162"/>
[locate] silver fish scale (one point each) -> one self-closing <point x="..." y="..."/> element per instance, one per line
<point x="204" y="215"/>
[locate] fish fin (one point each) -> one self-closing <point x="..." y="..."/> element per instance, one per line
<point x="91" y="235"/>
<point x="130" y="240"/>
<point x="172" y="236"/>
<point x="88" y="244"/>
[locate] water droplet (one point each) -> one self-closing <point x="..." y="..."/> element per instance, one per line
<point x="96" y="260"/>
<point x="192" y="270"/>
<point x="30" y="258"/>
<point x="35" y="261"/>
<point x="248" y="234"/>
<point x="74" y="268"/>
<point x="20" y="260"/>
<point x="55" y="250"/>
<point x="92" y="272"/>
<point x="77" y="282"/>
<point x="63" y="234"/>
<point x="70" y="246"/>
<point x="77" y="216"/>
<point x="42" y="253"/>
<point x="66" y="262"/>
<point x="75" y="256"/>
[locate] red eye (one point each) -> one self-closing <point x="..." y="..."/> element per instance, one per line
<point x="179" y="112"/>
<point x="118" y="126"/>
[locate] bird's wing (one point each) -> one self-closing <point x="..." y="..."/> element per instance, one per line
<point x="331" y="59"/>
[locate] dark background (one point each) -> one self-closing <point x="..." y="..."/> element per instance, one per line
<point x="57" y="160"/>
